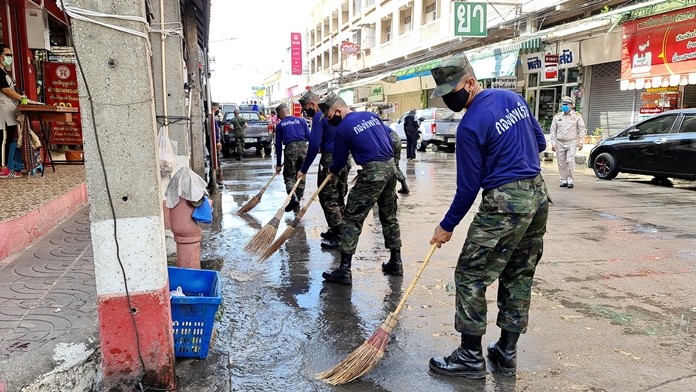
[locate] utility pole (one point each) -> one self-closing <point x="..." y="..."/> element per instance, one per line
<point x="123" y="182"/>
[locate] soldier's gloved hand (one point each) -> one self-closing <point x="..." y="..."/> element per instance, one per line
<point x="553" y="148"/>
<point x="278" y="169"/>
<point x="579" y="146"/>
<point x="300" y="175"/>
<point x="440" y="236"/>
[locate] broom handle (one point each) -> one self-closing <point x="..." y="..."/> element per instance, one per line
<point x="415" y="280"/>
<point x="314" y="196"/>
<point x="287" y="199"/>
<point x="268" y="183"/>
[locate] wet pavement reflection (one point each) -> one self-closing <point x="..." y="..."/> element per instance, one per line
<point x="282" y="323"/>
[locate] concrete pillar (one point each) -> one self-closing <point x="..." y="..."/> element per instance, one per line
<point x="193" y="64"/>
<point x="135" y="324"/>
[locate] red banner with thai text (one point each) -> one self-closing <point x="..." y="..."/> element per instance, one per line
<point x="660" y="45"/>
<point x="60" y="81"/>
<point x="296" y="53"/>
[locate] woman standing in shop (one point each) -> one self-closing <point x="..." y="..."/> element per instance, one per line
<point x="8" y="111"/>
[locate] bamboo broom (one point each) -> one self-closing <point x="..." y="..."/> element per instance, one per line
<point x="256" y="199"/>
<point x="265" y="236"/>
<point x="290" y="229"/>
<point x="365" y="357"/>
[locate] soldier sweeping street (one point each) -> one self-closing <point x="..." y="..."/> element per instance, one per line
<point x="498" y="146"/>
<point x="396" y="146"/>
<point x="238" y="125"/>
<point x="292" y="133"/>
<point x="567" y="133"/>
<point x="363" y="135"/>
<point x="332" y="197"/>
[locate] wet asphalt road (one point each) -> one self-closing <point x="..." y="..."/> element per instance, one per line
<point x="614" y="304"/>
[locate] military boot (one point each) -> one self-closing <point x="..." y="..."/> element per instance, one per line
<point x="334" y="240"/>
<point x="341" y="274"/>
<point x="404" y="188"/>
<point x="294" y="203"/>
<point x="504" y="353"/>
<point x="393" y="266"/>
<point x="328" y="234"/>
<point x="466" y="361"/>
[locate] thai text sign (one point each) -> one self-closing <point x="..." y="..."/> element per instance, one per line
<point x="60" y="80"/>
<point x="296" y="53"/>
<point x="660" y="45"/>
<point x="505" y="82"/>
<point x="470" y="19"/>
<point x="550" y="73"/>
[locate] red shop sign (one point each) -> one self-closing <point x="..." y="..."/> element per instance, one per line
<point x="660" y="45"/>
<point x="550" y="68"/>
<point x="60" y="80"/>
<point x="296" y="53"/>
<point x="650" y="110"/>
<point x="349" y="48"/>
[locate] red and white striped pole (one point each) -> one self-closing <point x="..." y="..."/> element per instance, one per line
<point x="123" y="182"/>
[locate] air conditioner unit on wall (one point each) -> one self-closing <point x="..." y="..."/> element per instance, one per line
<point x="37" y="29"/>
<point x="367" y="38"/>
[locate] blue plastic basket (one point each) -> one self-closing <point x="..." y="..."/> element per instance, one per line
<point x="193" y="316"/>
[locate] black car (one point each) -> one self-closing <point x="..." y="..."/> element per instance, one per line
<point x="661" y="146"/>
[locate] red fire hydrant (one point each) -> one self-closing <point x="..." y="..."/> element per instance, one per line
<point x="187" y="235"/>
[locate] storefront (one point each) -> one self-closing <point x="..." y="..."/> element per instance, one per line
<point x="549" y="76"/>
<point x="659" y="56"/>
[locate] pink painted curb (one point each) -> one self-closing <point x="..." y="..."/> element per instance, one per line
<point x="18" y="233"/>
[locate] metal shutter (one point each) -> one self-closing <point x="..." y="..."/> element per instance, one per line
<point x="610" y="108"/>
<point x="689" y="96"/>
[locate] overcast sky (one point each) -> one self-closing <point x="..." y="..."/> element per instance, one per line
<point x="262" y="31"/>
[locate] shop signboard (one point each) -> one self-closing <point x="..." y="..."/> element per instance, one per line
<point x="568" y="55"/>
<point x="550" y="73"/>
<point x="349" y="48"/>
<point x="60" y="81"/>
<point x="532" y="63"/>
<point x="296" y="53"/>
<point x="505" y="82"/>
<point x="470" y="19"/>
<point x="660" y="45"/>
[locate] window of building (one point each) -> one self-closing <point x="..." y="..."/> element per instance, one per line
<point x="386" y="31"/>
<point x="344" y="14"/>
<point x="357" y="8"/>
<point x="334" y="55"/>
<point x="405" y="16"/>
<point x="429" y="11"/>
<point x="369" y="3"/>
<point x="334" y="22"/>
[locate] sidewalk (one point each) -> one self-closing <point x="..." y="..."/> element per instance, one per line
<point x="48" y="312"/>
<point x="32" y="205"/>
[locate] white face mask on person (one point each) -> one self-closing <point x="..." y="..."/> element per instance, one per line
<point x="7" y="60"/>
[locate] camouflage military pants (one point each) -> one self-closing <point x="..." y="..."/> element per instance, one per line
<point x="505" y="242"/>
<point x="239" y="143"/>
<point x="376" y="183"/>
<point x="332" y="197"/>
<point x="293" y="157"/>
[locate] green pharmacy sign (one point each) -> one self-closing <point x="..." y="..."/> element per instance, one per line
<point x="470" y="19"/>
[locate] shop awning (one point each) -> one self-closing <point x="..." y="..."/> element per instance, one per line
<point x="659" y="51"/>
<point x="414" y="71"/>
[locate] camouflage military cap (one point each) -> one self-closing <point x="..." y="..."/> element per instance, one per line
<point x="449" y="73"/>
<point x="307" y="97"/>
<point x="280" y="107"/>
<point x="327" y="102"/>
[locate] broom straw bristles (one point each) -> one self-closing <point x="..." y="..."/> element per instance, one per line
<point x="272" y="248"/>
<point x="365" y="357"/>
<point x="263" y="238"/>
<point x="256" y="199"/>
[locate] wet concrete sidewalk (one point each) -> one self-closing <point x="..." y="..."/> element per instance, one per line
<point x="48" y="311"/>
<point x="613" y="303"/>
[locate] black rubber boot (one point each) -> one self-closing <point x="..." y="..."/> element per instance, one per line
<point x="393" y="266"/>
<point x="294" y="203"/>
<point x="328" y="234"/>
<point x="334" y="240"/>
<point x="466" y="361"/>
<point x="404" y="188"/>
<point x="503" y="354"/>
<point x="341" y="274"/>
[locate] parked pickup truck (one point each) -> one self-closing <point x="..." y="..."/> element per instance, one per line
<point x="257" y="134"/>
<point x="438" y="127"/>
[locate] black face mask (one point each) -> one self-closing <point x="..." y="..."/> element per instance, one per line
<point x="456" y="101"/>
<point x="311" y="112"/>
<point x="217" y="112"/>
<point x="335" y="120"/>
